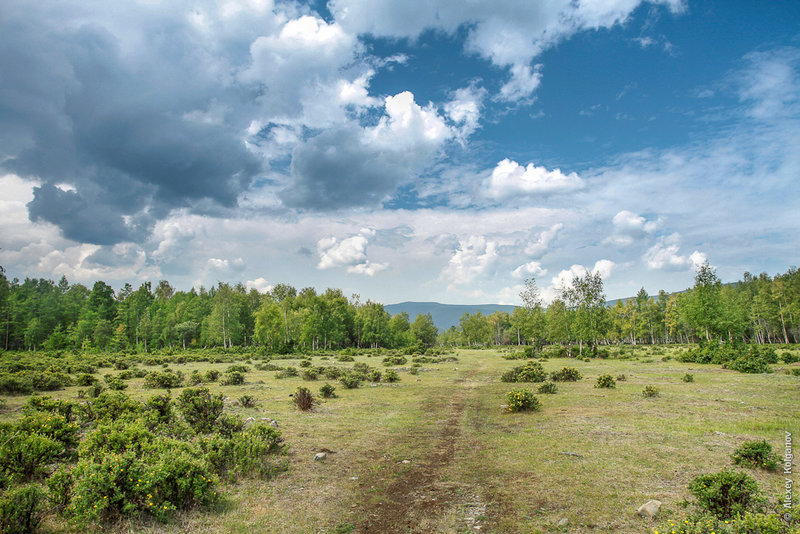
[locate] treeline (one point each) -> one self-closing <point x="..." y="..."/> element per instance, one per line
<point x="758" y="309"/>
<point x="41" y="314"/>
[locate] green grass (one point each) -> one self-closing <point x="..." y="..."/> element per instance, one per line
<point x="471" y="463"/>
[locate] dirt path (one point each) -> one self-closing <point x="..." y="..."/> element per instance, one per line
<point x="414" y="494"/>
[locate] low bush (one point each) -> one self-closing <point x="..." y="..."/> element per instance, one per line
<point x="229" y="424"/>
<point x="327" y="391"/>
<point x="345" y="358"/>
<point x="726" y="494"/>
<point x="688" y="377"/>
<point x="232" y="378"/>
<point x="303" y="399"/>
<point x="530" y="372"/>
<point x="622" y="378"/>
<point x="755" y="454"/>
<point x="310" y="374"/>
<point x="522" y="400"/>
<point x="212" y="375"/>
<point x="305" y="363"/>
<point x="566" y="374"/>
<point x="374" y="375"/>
<point x="250" y="453"/>
<point x="22" y="508"/>
<point x="390" y="375"/>
<point x="200" y="408"/>
<point x="548" y="387"/>
<point x="350" y="380"/>
<point x="394" y="360"/>
<point x="163" y="380"/>
<point x="605" y="381"/>
<point x="650" y="391"/>
<point x="247" y="401"/>
<point x="287" y="372"/>
<point x="115" y="383"/>
<point x="789" y="358"/>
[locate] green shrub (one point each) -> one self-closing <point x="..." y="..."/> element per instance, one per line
<point x="390" y="375"/>
<point x="229" y="424"/>
<point x="15" y="384"/>
<point x="303" y="399"/>
<point x="52" y="425"/>
<point x="374" y="375"/>
<point x="332" y="373"/>
<point x="555" y="351"/>
<point x="59" y="487"/>
<point x="22" y="508"/>
<point x="650" y="391"/>
<point x="85" y="379"/>
<point x="232" y="378"/>
<point x="239" y="368"/>
<point x="349" y="380"/>
<point x="171" y="476"/>
<point x="158" y="410"/>
<point x="622" y="378"/>
<point x="793" y="372"/>
<point x="212" y="375"/>
<point x="726" y="493"/>
<point x="548" y="387"/>
<point x="327" y="391"/>
<point x="688" y="377"/>
<point x="394" y="360"/>
<point x="163" y="379"/>
<point x="26" y="456"/>
<point x="111" y="405"/>
<point x="310" y="374"/>
<point x="414" y="371"/>
<point x="345" y="358"/>
<point x="755" y="454"/>
<point x="530" y="372"/>
<point x="789" y="358"/>
<point x="605" y="381"/>
<point x="115" y="383"/>
<point x="520" y="400"/>
<point x="200" y="408"/>
<point x="247" y="401"/>
<point x="305" y="363"/>
<point x="249" y="453"/>
<point x="286" y="373"/>
<point x="566" y="374"/>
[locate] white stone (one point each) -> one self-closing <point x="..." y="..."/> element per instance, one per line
<point x="649" y="509"/>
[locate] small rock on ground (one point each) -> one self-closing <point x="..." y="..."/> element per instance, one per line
<point x="649" y="509"/>
<point x="320" y="456"/>
<point x="564" y="522"/>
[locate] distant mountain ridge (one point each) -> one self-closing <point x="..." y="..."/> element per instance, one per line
<point x="445" y="315"/>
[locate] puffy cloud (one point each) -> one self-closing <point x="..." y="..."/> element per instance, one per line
<point x="465" y="109"/>
<point x="509" y="179"/>
<point x="350" y="252"/>
<point x="630" y="227"/>
<point x="259" y="284"/>
<point x="539" y="246"/>
<point x="664" y="255"/>
<point x="474" y="257"/>
<point x="506" y="32"/>
<point x="527" y="269"/>
<point x="220" y="264"/>
<point x="565" y="277"/>
<point x="367" y="268"/>
<point x="355" y="166"/>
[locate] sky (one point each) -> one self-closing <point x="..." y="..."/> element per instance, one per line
<point x="424" y="150"/>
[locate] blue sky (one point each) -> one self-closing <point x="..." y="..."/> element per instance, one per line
<point x="435" y="150"/>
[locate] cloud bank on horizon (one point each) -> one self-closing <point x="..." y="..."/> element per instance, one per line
<point x="411" y="150"/>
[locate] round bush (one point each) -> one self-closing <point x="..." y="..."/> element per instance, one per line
<point x="605" y="381"/>
<point x="522" y="400"/>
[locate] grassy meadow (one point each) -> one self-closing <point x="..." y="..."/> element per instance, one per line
<point x="438" y="452"/>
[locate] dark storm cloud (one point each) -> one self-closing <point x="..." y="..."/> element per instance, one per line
<point x="79" y="220"/>
<point x="337" y="169"/>
<point x="136" y="131"/>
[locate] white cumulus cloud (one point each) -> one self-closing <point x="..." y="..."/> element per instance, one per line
<point x="350" y="252"/>
<point x="473" y="257"/>
<point x="509" y="178"/>
<point x="527" y="269"/>
<point x="665" y="255"/>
